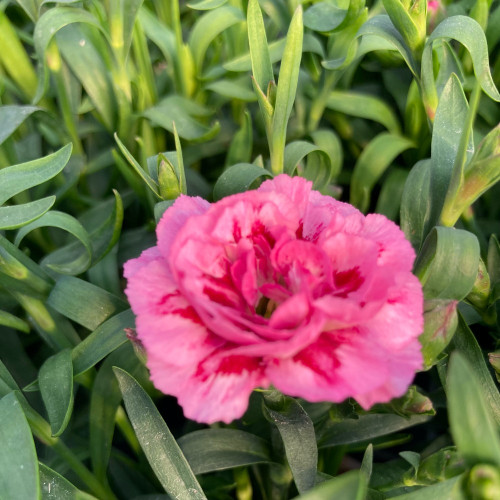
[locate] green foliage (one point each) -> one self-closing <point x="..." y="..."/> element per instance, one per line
<point x="111" y="110"/>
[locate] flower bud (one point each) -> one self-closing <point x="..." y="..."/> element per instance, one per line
<point x="410" y="19"/>
<point x="484" y="482"/>
<point x="168" y="179"/>
<point x="480" y="293"/>
<point x="440" y="323"/>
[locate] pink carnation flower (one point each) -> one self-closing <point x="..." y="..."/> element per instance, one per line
<point x="280" y="286"/>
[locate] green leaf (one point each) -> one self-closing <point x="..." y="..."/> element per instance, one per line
<point x="367" y="463"/>
<point x="84" y="303"/>
<point x="447" y="264"/>
<point x="367" y="427"/>
<point x="389" y="200"/>
<point x="210" y="450"/>
<point x="129" y="10"/>
<point x="364" y="106"/>
<point x="20" y="177"/>
<point x="381" y="27"/>
<point x="15" y="216"/>
<point x="183" y="112"/>
<point x="18" y="460"/>
<point x="11" y="117"/>
<point x="297" y="432"/>
<point x="470" y="34"/>
<point x="262" y="69"/>
<point x="105" y="339"/>
<point x="232" y="90"/>
<point x="104" y="402"/>
<point x="445" y="490"/>
<point x="237" y="179"/>
<point x="372" y="163"/>
<point x="163" y="454"/>
<point x="103" y="238"/>
<point x="11" y="321"/>
<point x="449" y="123"/>
<point x="465" y="342"/>
<point x="324" y="17"/>
<point x="319" y="168"/>
<point x="68" y="223"/>
<point x="276" y="50"/>
<point x="208" y="26"/>
<point x="329" y="142"/>
<point x="30" y="7"/>
<point x="471" y="423"/>
<point x="350" y="485"/>
<point x="56" y="387"/>
<point x="45" y="29"/>
<point x="56" y="487"/>
<point x="240" y="149"/>
<point x="206" y="4"/>
<point x="86" y="62"/>
<point x="416" y="204"/>
<point x="402" y="20"/>
<point x="286" y="89"/>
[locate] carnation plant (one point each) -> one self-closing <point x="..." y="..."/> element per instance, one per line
<point x="249" y="249"/>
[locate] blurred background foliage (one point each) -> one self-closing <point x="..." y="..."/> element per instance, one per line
<point x="109" y="110"/>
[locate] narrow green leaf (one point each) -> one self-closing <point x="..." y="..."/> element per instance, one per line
<point x="89" y="67"/>
<point x="381" y="26"/>
<point x="351" y="485"/>
<point x="84" y="303"/>
<point x="163" y="454"/>
<point x="240" y="149"/>
<point x="15" y="216"/>
<point x="105" y="339"/>
<point x="46" y="28"/>
<point x="470" y="34"/>
<point x="445" y="490"/>
<point x="103" y="238"/>
<point x="129" y="10"/>
<point x="208" y="26"/>
<point x="11" y="321"/>
<point x="297" y="432"/>
<point x="67" y="223"/>
<point x="447" y="264"/>
<point x="104" y="402"/>
<point x="30" y="7"/>
<point x="262" y="69"/>
<point x="286" y="89"/>
<point x="367" y="427"/>
<point x="11" y="117"/>
<point x="56" y="487"/>
<point x="232" y="90"/>
<point x="403" y="21"/>
<point x="319" y="170"/>
<point x="210" y="450"/>
<point x="243" y="63"/>
<point x="18" y="460"/>
<point x="372" y="163"/>
<point x="416" y="204"/>
<point x="367" y="463"/>
<point x="324" y="17"/>
<point x="465" y="342"/>
<point x="138" y="169"/>
<point x="447" y="132"/>
<point x="364" y="106"/>
<point x="55" y="380"/>
<point x="471" y="423"/>
<point x="20" y="177"/>
<point x="183" y="112"/>
<point x="389" y="200"/>
<point x="206" y="4"/>
<point x="237" y="179"/>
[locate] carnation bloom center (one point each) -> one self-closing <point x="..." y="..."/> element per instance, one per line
<point x="280" y="286"/>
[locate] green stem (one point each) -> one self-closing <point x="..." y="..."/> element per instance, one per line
<point x="319" y="104"/>
<point x="453" y="206"/>
<point x="41" y="429"/>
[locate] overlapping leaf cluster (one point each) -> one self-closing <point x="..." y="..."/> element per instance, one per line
<point x="109" y="110"/>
